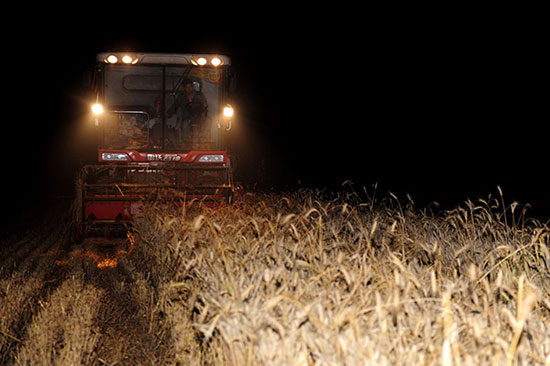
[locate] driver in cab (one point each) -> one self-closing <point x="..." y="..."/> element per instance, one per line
<point x="191" y="104"/>
<point x="192" y="108"/>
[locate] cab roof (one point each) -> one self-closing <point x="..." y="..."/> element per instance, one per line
<point x="162" y="58"/>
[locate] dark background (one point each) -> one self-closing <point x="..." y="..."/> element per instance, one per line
<point x="441" y="104"/>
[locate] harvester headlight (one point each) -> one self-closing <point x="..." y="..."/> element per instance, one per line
<point x="228" y="111"/>
<point x="199" y="61"/>
<point x="111" y="59"/>
<point x="97" y="109"/>
<point x="203" y="61"/>
<point x="107" y="156"/>
<point x="129" y="59"/>
<point x="216" y="61"/>
<point x="126" y="59"/>
<point x="211" y="158"/>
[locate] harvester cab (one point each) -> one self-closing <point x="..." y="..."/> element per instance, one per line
<point x="162" y="122"/>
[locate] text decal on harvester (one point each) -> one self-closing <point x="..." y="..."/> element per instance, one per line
<point x="163" y="157"/>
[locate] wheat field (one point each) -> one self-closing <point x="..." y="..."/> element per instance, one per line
<point x="300" y="278"/>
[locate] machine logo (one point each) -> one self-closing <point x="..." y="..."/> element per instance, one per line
<point x="163" y="157"/>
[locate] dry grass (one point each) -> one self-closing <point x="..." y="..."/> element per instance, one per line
<point x="303" y="279"/>
<point x="300" y="279"/>
<point x="62" y="333"/>
<point x="59" y="305"/>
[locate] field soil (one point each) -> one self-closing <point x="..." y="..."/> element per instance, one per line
<point x="304" y="278"/>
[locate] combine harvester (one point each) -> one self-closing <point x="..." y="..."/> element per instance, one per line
<point x="162" y="123"/>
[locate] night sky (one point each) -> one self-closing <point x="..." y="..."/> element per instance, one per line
<point x="443" y="108"/>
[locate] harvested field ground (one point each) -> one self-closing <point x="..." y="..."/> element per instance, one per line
<point x="297" y="279"/>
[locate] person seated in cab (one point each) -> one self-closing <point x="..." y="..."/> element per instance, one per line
<point x="184" y="119"/>
<point x="192" y="108"/>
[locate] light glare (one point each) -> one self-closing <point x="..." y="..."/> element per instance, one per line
<point x="127" y="59"/>
<point x="97" y="109"/>
<point x="112" y="59"/>
<point x="216" y="61"/>
<point x="228" y="111"/>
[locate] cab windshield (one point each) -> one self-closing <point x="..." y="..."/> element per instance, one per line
<point x="161" y="107"/>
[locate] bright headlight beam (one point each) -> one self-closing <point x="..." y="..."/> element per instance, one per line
<point x="228" y="111"/>
<point x="97" y="109"/>
<point x="111" y="59"/>
<point x="216" y="61"/>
